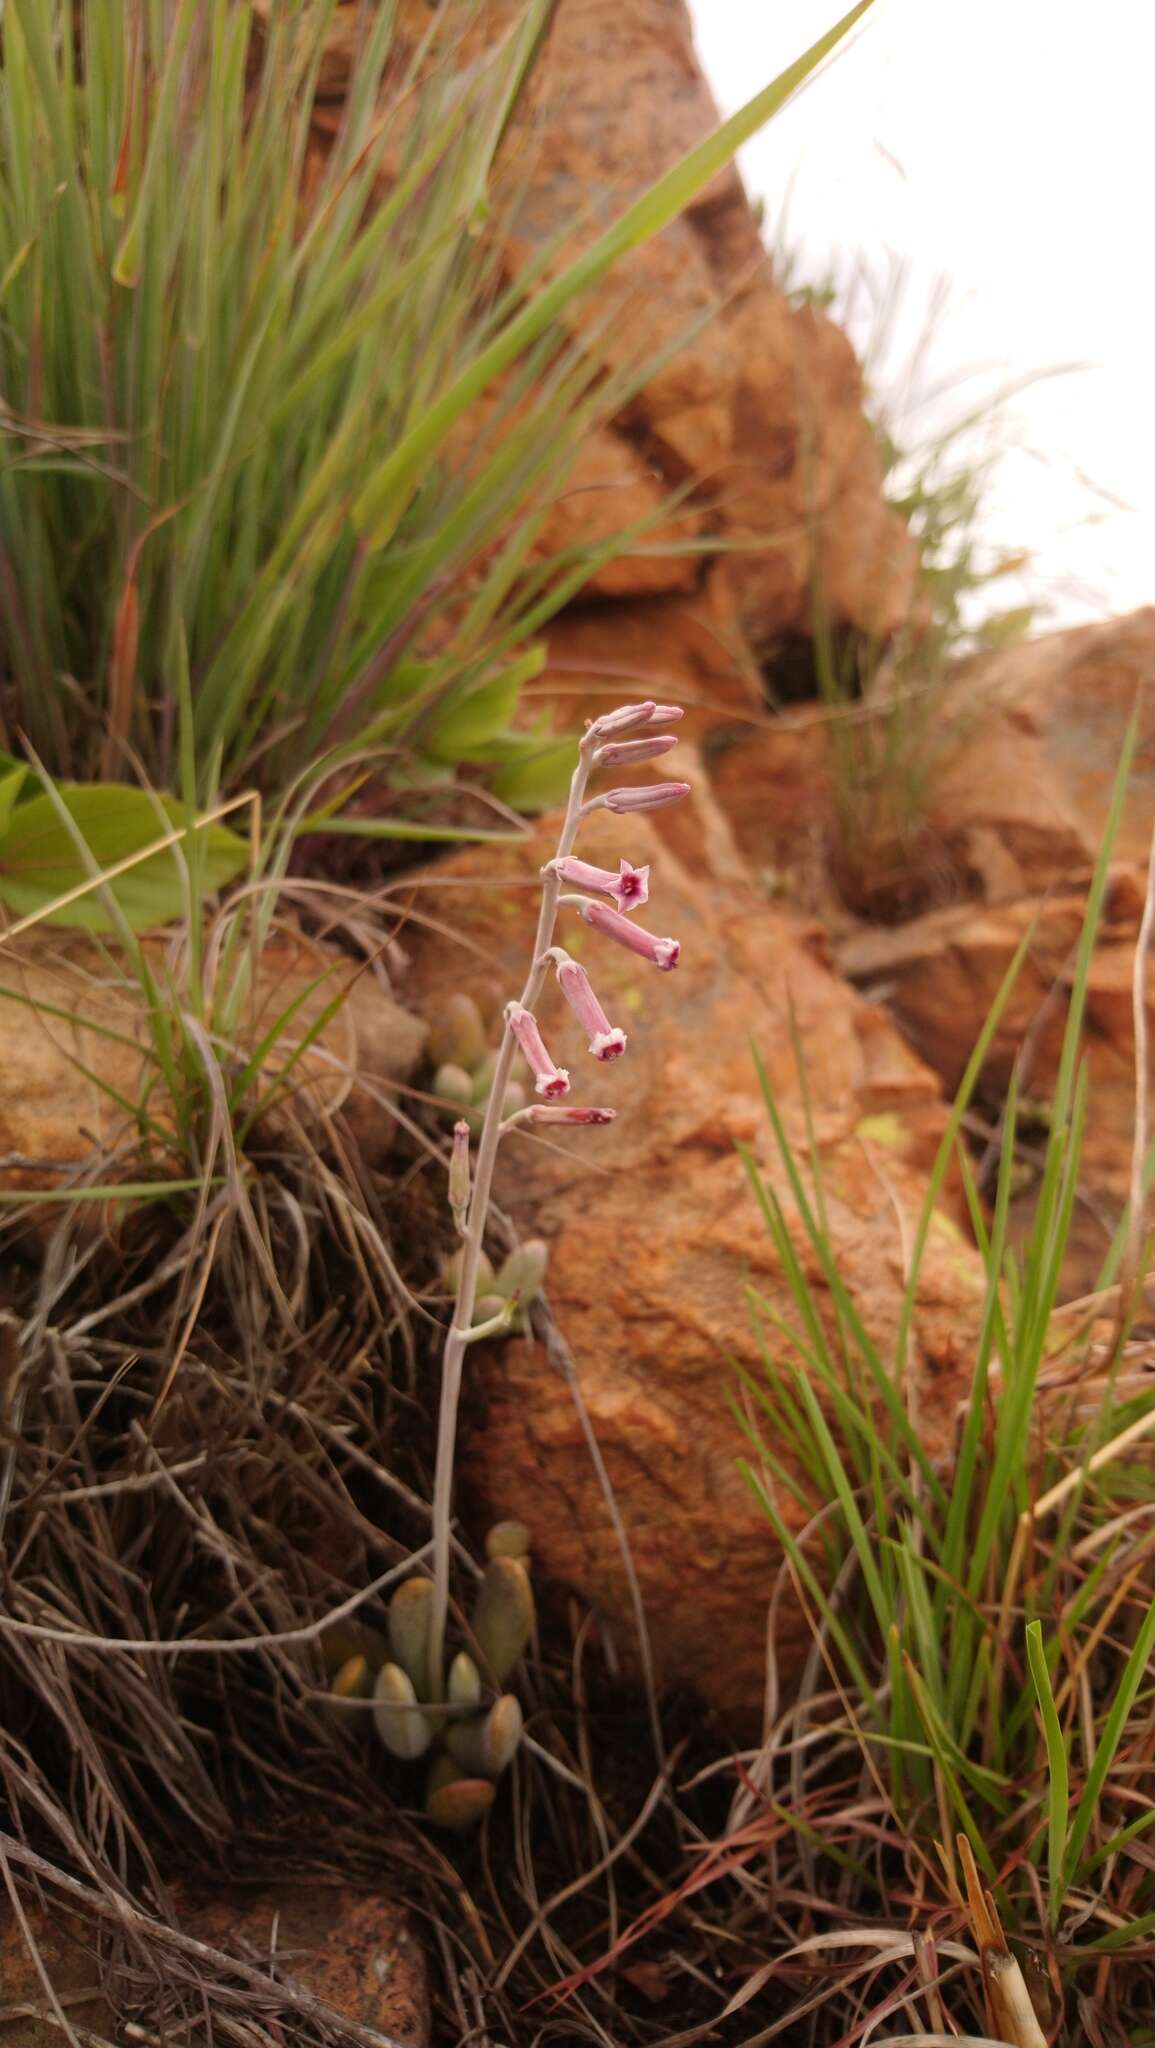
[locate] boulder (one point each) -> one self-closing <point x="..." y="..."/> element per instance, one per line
<point x="655" y="1236"/>
<point x="27" y="2019"/>
<point x="753" y="400"/>
<point x="1019" y="813"/>
<point x="940" y="975"/>
<point x="356" y="1952"/>
<point x="78" y="1057"/>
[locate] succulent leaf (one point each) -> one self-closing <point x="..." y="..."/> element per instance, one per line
<point x="451" y="1273"/>
<point x="488" y="1305"/>
<point x="354" y="1681"/>
<point x="409" y="1612"/>
<point x="465" y="1742"/>
<point x="457" y="1034"/>
<point x="523" y="1272"/>
<point x="451" y="1084"/>
<point x="459" y="1803"/>
<point x="464" y="1685"/>
<point x="501" y="1734"/>
<point x="508" y="1539"/>
<point x="398" y="1718"/>
<point x="504" y="1614"/>
<point x="352" y="1639"/>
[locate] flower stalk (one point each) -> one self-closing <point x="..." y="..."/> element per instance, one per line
<point x="521" y="1032"/>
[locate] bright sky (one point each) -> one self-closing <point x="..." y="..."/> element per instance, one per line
<point x="1007" y="146"/>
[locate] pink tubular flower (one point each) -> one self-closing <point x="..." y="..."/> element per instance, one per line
<point x="663" y="953"/>
<point x="567" y="1113"/>
<point x="627" y="751"/>
<point x="607" y="1041"/>
<point x="549" y="1080"/>
<point x="630" y="888"/>
<point x="650" y="796"/>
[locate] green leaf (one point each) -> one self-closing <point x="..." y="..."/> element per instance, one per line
<point x="1058" y="1775"/>
<point x="59" y="842"/>
<point x="476" y="718"/>
<point x="12" y="781"/>
<point x="380" y="506"/>
<point x="539" y="779"/>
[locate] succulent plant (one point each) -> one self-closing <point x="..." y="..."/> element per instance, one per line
<point x="403" y="1727"/>
<point x="457" y="1034"/>
<point x="523" y="1272"/>
<point x="503" y="1616"/>
<point x="409" y="1632"/>
<point x="471" y="1743"/>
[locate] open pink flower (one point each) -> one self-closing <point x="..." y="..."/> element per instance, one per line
<point x="549" y="1080"/>
<point x="607" y="1041"/>
<point x="663" y="953"/>
<point x="630" y="887"/>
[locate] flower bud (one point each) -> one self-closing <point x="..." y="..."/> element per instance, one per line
<point x="649" y="796"/>
<point x="624" y="752"/>
<point x="459" y="1177"/>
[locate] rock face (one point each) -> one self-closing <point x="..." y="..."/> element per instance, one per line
<point x="27" y="2019"/>
<point x="1021" y="812"/>
<point x="77" y="1051"/>
<point x="354" y="1951"/>
<point x="655" y="1235"/>
<point x="754" y="401"/>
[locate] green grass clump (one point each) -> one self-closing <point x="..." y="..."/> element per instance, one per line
<point x="980" y="1690"/>
<point x="238" y="394"/>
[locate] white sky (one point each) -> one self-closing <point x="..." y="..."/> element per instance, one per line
<point x="1008" y="146"/>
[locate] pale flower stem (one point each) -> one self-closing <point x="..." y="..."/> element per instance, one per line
<point x="457" y="1340"/>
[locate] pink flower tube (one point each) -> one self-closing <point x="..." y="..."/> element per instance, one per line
<point x="549" y="1080"/>
<point x="661" y="953"/>
<point x="607" y="1041"/>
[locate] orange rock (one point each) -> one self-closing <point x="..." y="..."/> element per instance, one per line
<point x="66" y="1951"/>
<point x="654" y="1237"/>
<point x="754" y="402"/>
<point x="77" y="1051"/>
<point x="1019" y="814"/>
<point x="356" y="1951"/>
